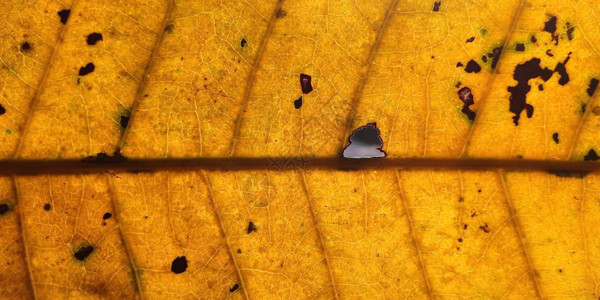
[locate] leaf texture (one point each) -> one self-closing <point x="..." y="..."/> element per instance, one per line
<point x="280" y="79"/>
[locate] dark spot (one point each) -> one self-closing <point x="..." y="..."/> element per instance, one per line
<point x="459" y="64"/>
<point x="472" y="67"/>
<point x="591" y="156"/>
<point x="496" y="56"/>
<point x="596" y="110"/>
<point x="540" y="87"/>
<point x="583" y="107"/>
<point x="47" y="207"/>
<point x="533" y="39"/>
<point x="562" y="71"/>
<point x="305" y="83"/>
<point x="239" y="250"/>
<point x="103" y="158"/>
<point x="550" y="26"/>
<point x="484" y="58"/>
<point x="518" y="93"/>
<point x="570" y="30"/>
<point x="479" y="190"/>
<point x="25" y="47"/>
<point x="234" y="288"/>
<point x="466" y="97"/>
<point x="298" y="103"/>
<point x="560" y="270"/>
<point x="124" y="121"/>
<point x="179" y="265"/>
<point x="592" y="87"/>
<point x="473" y="213"/>
<point x="520" y="47"/>
<point x="169" y="28"/>
<point x="83" y="252"/>
<point x="243" y="42"/>
<point x="93" y="38"/>
<point x="64" y="15"/>
<point x="465" y="226"/>
<point x="485" y="228"/>
<point x="436" y="5"/>
<point x="251" y="227"/>
<point x="280" y="13"/>
<point x="365" y="142"/>
<point x="555" y="137"/>
<point x="4" y="208"/>
<point x="106" y="216"/>
<point x="460" y="240"/>
<point x="549" y="53"/>
<point x="2" y="110"/>
<point x="470" y="40"/>
<point x="89" y="68"/>
<point x="571" y="174"/>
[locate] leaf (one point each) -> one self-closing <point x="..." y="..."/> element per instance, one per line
<point x="291" y="81"/>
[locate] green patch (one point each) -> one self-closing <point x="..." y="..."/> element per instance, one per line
<point x="8" y="131"/>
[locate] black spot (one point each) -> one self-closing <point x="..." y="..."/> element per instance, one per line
<point x="484" y="58"/>
<point x="550" y="26"/>
<point x="555" y="137"/>
<point x="472" y="67"/>
<point x="520" y="47"/>
<point x="460" y="240"/>
<point x="533" y="39"/>
<point x="234" y="288"/>
<point x="459" y="64"/>
<point x="583" y="107"/>
<point x="169" y="28"/>
<point x="64" y="15"/>
<point x="540" y="87"/>
<point x="124" y="121"/>
<point x="83" y="252"/>
<point x="470" y="40"/>
<point x="2" y="110"/>
<point x="298" y="103"/>
<point x="106" y="216"/>
<point x="243" y="42"/>
<point x="280" y="13"/>
<point x="103" y="158"/>
<point x="591" y="156"/>
<point x="572" y="174"/>
<point x="239" y="250"/>
<point x="4" y="208"/>
<point x="592" y="87"/>
<point x="466" y="97"/>
<point x="570" y="30"/>
<point x="436" y="5"/>
<point x="25" y="47"/>
<point x="549" y="53"/>
<point x="89" y="68"/>
<point x="93" y="38"/>
<point x="496" y="56"/>
<point x="518" y="93"/>
<point x="47" y="207"/>
<point x="562" y="71"/>
<point x="365" y="142"/>
<point x="305" y="83"/>
<point x="251" y="227"/>
<point x="179" y="265"/>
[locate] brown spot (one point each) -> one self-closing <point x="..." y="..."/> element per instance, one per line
<point x="570" y="30"/>
<point x="592" y="87"/>
<point x="4" y="208"/>
<point x="436" y="5"/>
<point x="83" y="252"/>
<point x="87" y="69"/>
<point x="47" y="207"/>
<point x="234" y="288"/>
<point x="550" y="27"/>
<point x="520" y="47"/>
<point x="470" y="40"/>
<point x="466" y="97"/>
<point x="485" y="228"/>
<point x="298" y="103"/>
<point x="25" y="47"/>
<point x="251" y="227"/>
<point x="106" y="216"/>
<point x="280" y="13"/>
<point x="169" y="28"/>
<point x="591" y="156"/>
<point x="306" y="83"/>
<point x="555" y="137"/>
<point x="243" y="42"/>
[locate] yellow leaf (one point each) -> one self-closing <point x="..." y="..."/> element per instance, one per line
<point x="291" y="82"/>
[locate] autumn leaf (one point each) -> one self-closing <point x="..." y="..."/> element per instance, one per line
<point x="193" y="149"/>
